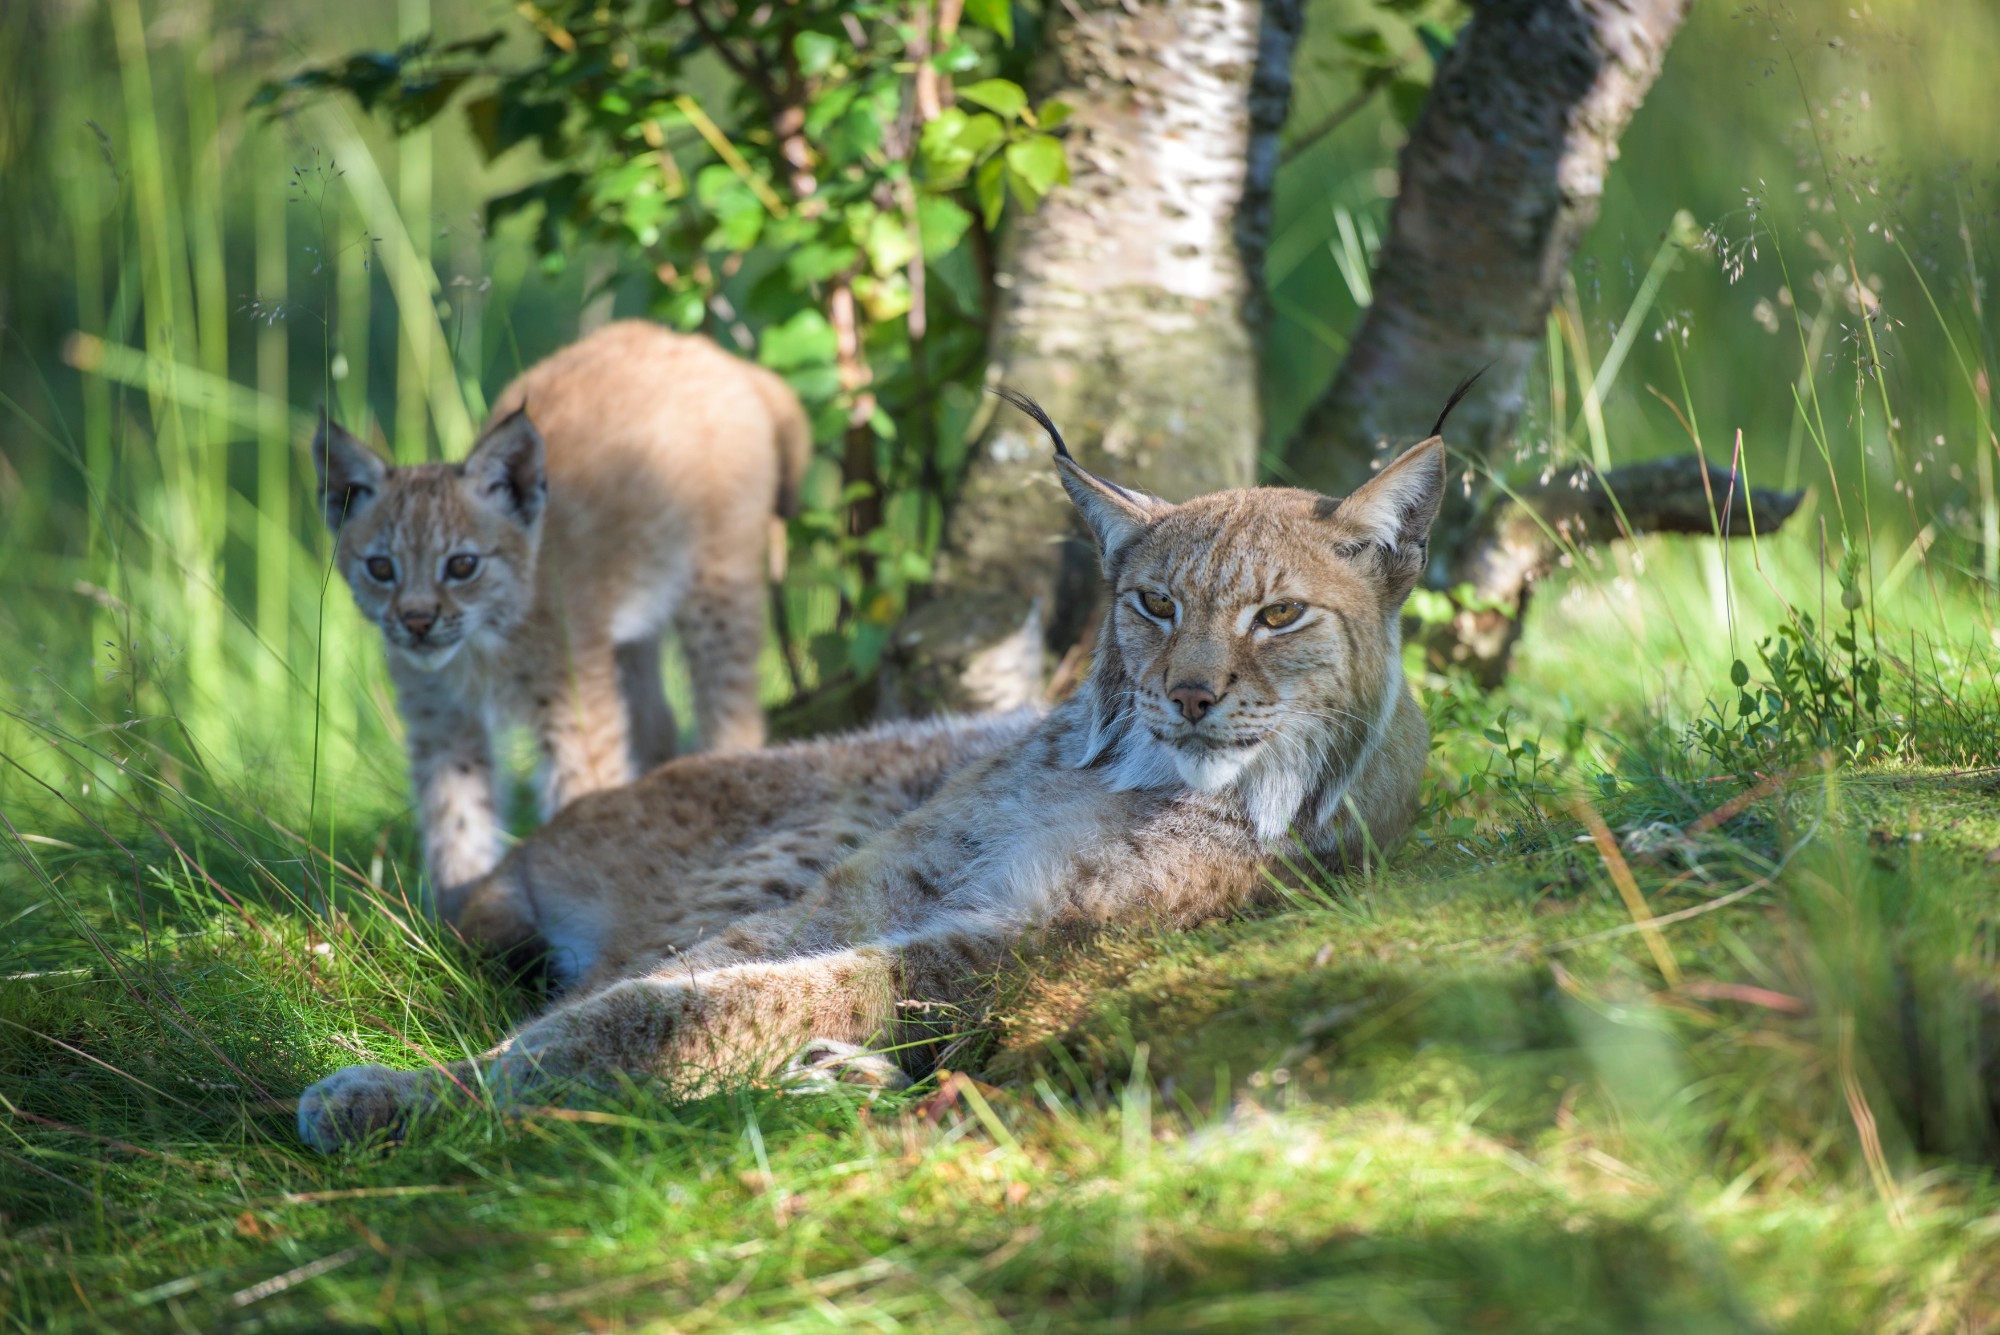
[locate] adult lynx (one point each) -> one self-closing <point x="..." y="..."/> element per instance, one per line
<point x="1247" y="698"/>
<point x="625" y="485"/>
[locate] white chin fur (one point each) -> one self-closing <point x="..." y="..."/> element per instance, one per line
<point x="432" y="657"/>
<point x="1211" y="771"/>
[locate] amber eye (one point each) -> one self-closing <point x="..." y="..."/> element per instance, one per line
<point x="381" y="569"/>
<point x="1280" y="615"/>
<point x="461" y="566"/>
<point x="1157" y="604"/>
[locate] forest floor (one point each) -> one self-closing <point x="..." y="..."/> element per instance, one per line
<point x="1650" y="1029"/>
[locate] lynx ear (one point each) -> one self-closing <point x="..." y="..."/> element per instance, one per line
<point x="350" y="474"/>
<point x="1390" y="518"/>
<point x="1116" y="515"/>
<point x="506" y="468"/>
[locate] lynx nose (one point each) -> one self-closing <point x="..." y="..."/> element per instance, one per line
<point x="418" y="620"/>
<point x="1194" y="700"/>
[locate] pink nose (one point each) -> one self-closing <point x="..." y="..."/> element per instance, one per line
<point x="1194" y="701"/>
<point x="419" y="619"/>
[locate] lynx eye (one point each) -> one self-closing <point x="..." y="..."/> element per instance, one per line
<point x="461" y="566"/>
<point x="1156" y="605"/>
<point x="1280" y="615"/>
<point x="381" y="569"/>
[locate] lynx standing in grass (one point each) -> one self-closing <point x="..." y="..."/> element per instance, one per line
<point x="624" y="486"/>
<point x="1246" y="700"/>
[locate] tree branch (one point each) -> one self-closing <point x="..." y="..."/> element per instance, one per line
<point x="1521" y="537"/>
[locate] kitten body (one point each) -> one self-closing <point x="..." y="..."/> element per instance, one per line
<point x="625" y="486"/>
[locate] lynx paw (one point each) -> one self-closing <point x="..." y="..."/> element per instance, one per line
<point x="354" y="1103"/>
<point x="826" y="1062"/>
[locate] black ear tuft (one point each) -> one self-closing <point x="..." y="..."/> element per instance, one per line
<point x="1034" y="410"/>
<point x="1437" y="429"/>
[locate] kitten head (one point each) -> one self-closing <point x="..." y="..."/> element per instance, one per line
<point x="1253" y="637"/>
<point x="437" y="554"/>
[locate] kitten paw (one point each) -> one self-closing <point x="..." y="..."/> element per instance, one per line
<point x="353" y="1104"/>
<point x="826" y="1062"/>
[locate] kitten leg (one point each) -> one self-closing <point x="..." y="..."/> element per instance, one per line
<point x="695" y="1030"/>
<point x="721" y="625"/>
<point x="581" y="724"/>
<point x="452" y="781"/>
<point x="649" y="716"/>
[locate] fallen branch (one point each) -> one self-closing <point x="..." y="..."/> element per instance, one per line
<point x="1525" y="533"/>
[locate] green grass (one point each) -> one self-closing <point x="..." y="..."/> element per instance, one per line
<point x="1462" y="1094"/>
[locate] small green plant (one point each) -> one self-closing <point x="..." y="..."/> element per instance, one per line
<point x="1816" y="696"/>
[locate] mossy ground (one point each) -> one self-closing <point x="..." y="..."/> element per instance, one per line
<point x="1464" y="1092"/>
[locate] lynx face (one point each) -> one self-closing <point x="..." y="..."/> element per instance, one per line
<point x="1254" y="634"/>
<point x="437" y="554"/>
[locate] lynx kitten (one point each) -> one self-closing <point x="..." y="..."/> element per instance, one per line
<point x="1246" y="700"/>
<point x="625" y="485"/>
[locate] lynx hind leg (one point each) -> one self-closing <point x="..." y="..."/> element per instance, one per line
<point x="653" y="734"/>
<point x="721" y="625"/>
<point x="825" y="1063"/>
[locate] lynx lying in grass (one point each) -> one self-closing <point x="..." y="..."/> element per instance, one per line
<point x="1247" y="696"/>
<point x="535" y="578"/>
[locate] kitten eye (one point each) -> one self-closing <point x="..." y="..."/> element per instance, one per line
<point x="381" y="569"/>
<point x="1156" y="604"/>
<point x="1280" y="615"/>
<point x="461" y="566"/>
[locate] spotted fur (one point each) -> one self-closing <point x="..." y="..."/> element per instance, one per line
<point x="727" y="913"/>
<point x="626" y="485"/>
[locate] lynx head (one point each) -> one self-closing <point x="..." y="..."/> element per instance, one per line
<point x="437" y="554"/>
<point x="1253" y="636"/>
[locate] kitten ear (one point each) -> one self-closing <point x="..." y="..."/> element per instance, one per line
<point x="1115" y="514"/>
<point x="350" y="474"/>
<point x="1391" y="516"/>
<point x="506" y="468"/>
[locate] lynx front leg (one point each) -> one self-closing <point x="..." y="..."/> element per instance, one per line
<point x="582" y="726"/>
<point x="451" y="778"/>
<point x="695" y="1031"/>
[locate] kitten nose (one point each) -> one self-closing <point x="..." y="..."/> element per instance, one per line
<point x="1194" y="700"/>
<point x="418" y="619"/>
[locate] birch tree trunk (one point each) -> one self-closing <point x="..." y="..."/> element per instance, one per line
<point x="1125" y="306"/>
<point x="1501" y="178"/>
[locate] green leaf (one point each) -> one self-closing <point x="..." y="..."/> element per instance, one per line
<point x="956" y="141"/>
<point x="1406" y="100"/>
<point x="993" y="15"/>
<point x="682" y="309"/>
<point x="991" y="187"/>
<point x="804" y="340"/>
<point x="941" y="223"/>
<point x="1437" y="40"/>
<point x="889" y="244"/>
<point x="1054" y="112"/>
<point x="1040" y="161"/>
<point x="1368" y="45"/>
<point x="816" y="52"/>
<point x="817" y="261"/>
<point x="1001" y="95"/>
<point x="1739" y="674"/>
